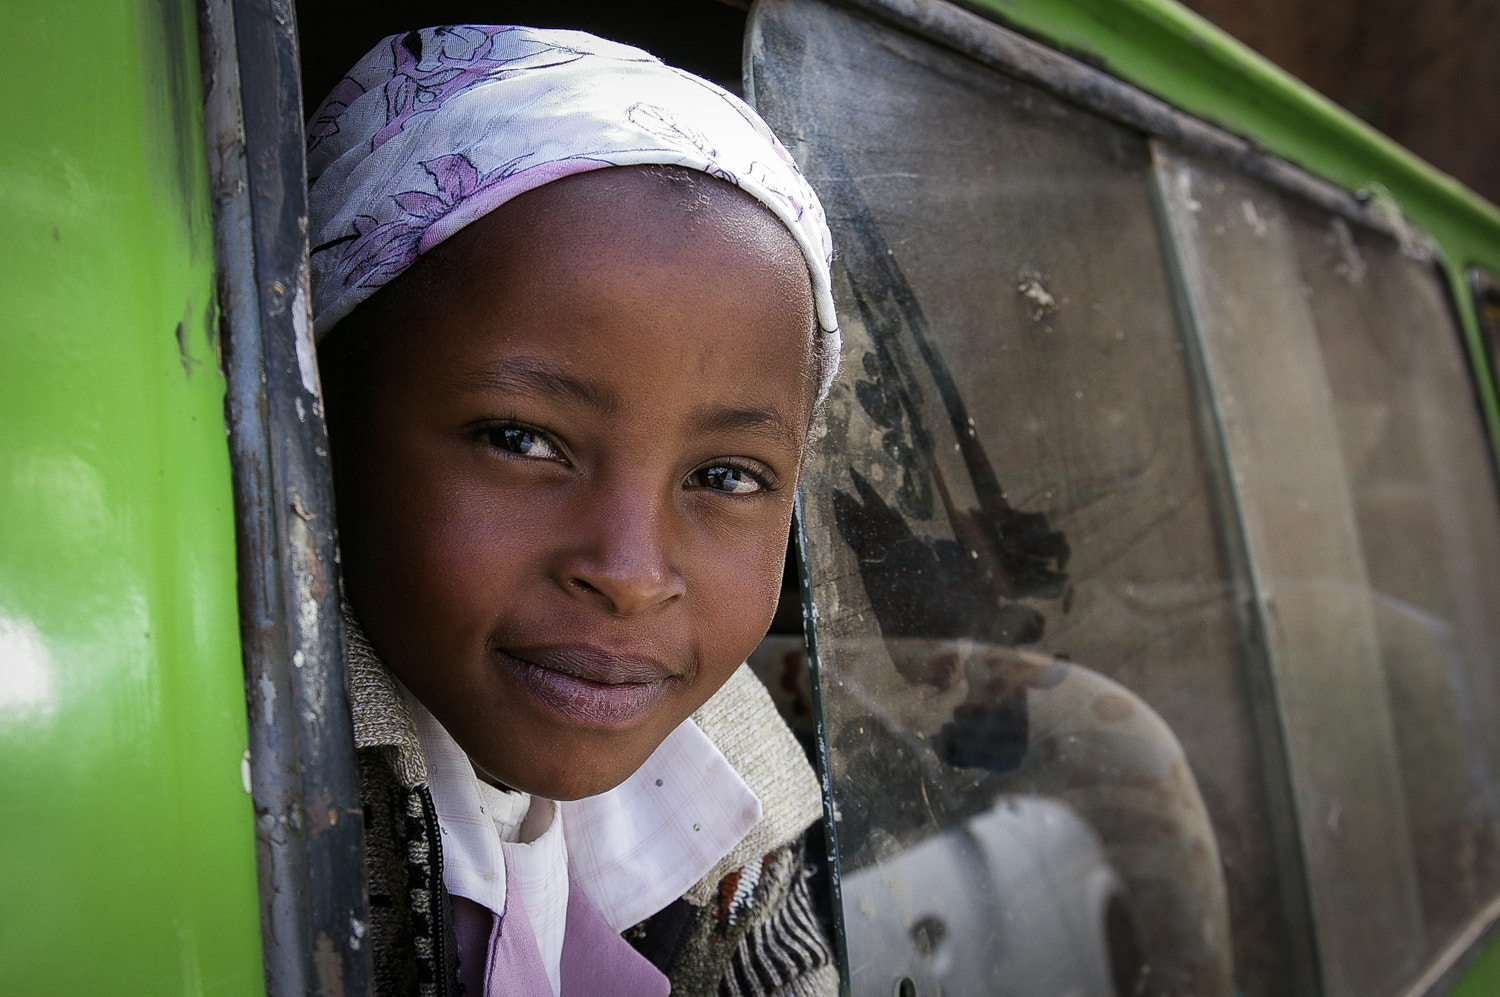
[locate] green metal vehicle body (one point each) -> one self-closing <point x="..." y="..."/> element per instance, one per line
<point x="128" y="851"/>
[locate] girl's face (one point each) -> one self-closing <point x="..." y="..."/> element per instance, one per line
<point x="566" y="480"/>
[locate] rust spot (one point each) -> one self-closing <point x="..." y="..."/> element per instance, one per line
<point x="328" y="967"/>
<point x="321" y="814"/>
<point x="319" y="578"/>
<point x="312" y="575"/>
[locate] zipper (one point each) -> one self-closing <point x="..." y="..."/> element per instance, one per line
<point x="439" y="894"/>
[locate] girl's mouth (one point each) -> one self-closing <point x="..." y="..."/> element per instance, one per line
<point x="585" y="687"/>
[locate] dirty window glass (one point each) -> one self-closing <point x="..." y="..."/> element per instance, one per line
<point x="1053" y="765"/>
<point x="1425" y="506"/>
<point x="1370" y="515"/>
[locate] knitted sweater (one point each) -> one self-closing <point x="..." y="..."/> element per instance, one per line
<point x="747" y="928"/>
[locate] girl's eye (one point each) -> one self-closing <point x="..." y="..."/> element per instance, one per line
<point x="523" y="442"/>
<point x="728" y="479"/>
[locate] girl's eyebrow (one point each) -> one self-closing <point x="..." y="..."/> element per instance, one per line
<point x="535" y="376"/>
<point x="539" y="377"/>
<point x="769" y="421"/>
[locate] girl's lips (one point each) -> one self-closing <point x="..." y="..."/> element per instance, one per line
<point x="587" y="688"/>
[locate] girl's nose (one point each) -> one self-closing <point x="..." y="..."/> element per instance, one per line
<point x="621" y="559"/>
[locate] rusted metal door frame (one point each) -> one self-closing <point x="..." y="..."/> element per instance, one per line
<point x="309" y="823"/>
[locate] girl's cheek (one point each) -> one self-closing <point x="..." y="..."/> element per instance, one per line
<point x="759" y="584"/>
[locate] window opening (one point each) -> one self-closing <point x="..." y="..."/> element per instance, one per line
<point x="701" y="36"/>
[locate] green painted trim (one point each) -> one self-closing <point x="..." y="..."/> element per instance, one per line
<point x="1174" y="54"/>
<point x="1482" y="978"/>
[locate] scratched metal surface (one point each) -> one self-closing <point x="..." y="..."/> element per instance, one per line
<point x="308" y="818"/>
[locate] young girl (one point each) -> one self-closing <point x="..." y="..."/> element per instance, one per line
<point x="574" y="317"/>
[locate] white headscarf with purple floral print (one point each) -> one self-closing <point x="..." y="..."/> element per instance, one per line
<point x="436" y="128"/>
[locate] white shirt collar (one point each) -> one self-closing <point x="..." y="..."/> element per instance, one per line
<point x="473" y="862"/>
<point x="632" y="850"/>
<point x="643" y="844"/>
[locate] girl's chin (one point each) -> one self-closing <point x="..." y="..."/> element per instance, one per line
<point x="555" y="779"/>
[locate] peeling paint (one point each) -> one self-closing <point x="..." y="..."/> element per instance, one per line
<point x="1382" y="203"/>
<point x="1252" y="217"/>
<point x="328" y="966"/>
<point x="302" y="336"/>
<point x="267" y="690"/>
<point x="1351" y="265"/>
<point x="1041" y="301"/>
<point x="184" y="355"/>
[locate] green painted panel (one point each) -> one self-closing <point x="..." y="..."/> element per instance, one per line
<point x="126" y="836"/>
<point x="1482" y="979"/>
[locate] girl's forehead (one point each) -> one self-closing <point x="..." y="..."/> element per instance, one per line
<point x="581" y="255"/>
<point x="649" y="233"/>
<point x="602" y="288"/>
<point x="653" y="212"/>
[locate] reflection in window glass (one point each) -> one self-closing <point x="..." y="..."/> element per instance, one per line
<point x="1048" y="766"/>
<point x="1429" y="525"/>
<point x="1372" y="525"/>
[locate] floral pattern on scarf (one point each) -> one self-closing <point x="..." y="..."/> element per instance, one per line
<point x="435" y="128"/>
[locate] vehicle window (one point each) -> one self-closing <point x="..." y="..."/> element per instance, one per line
<point x="1369" y="509"/>
<point x="1428" y="520"/>
<point x="1026" y="619"/>
<point x="1150" y="539"/>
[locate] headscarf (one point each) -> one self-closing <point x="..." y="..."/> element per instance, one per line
<point x="435" y="128"/>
